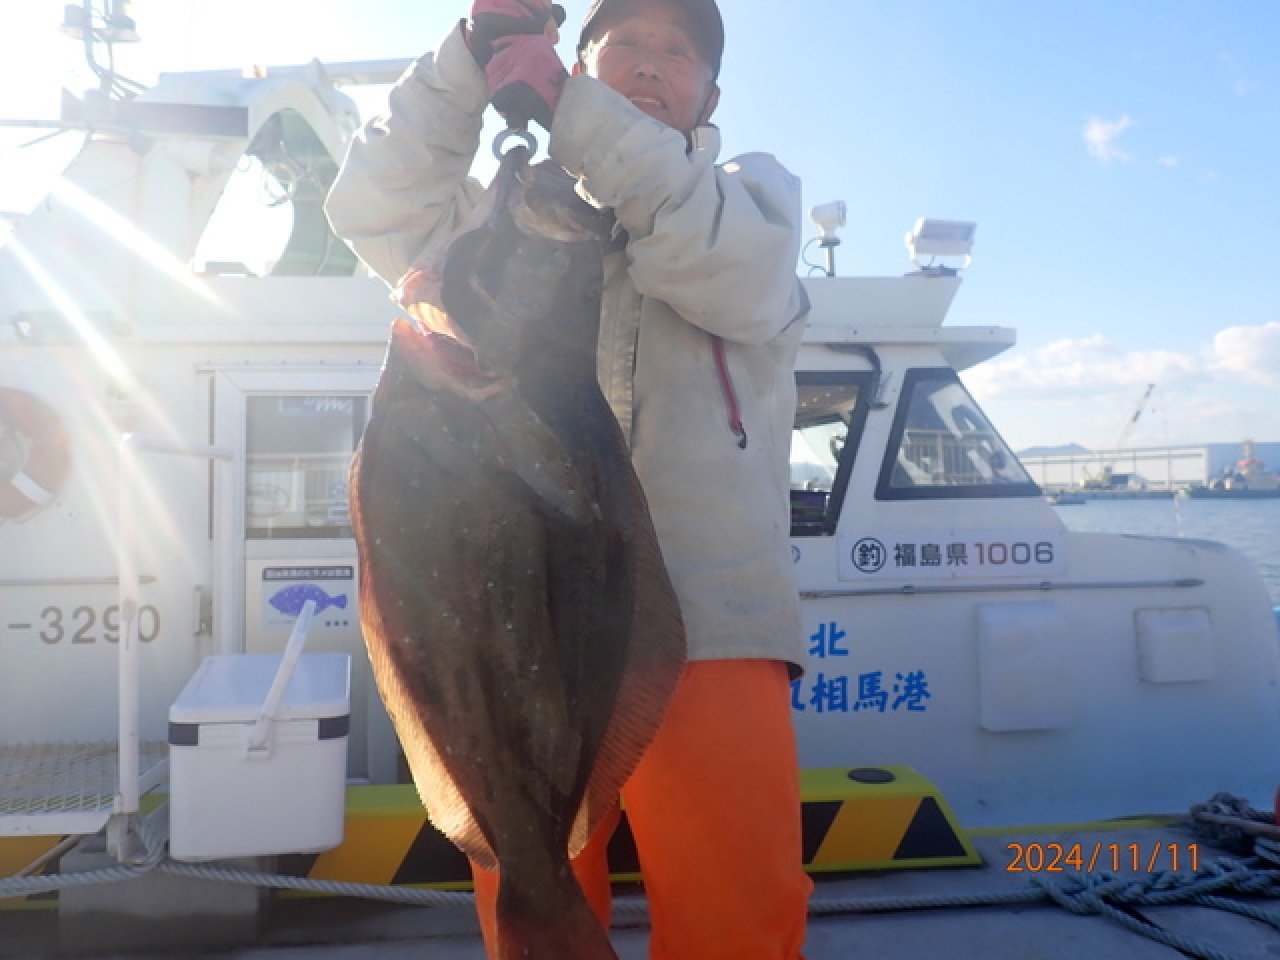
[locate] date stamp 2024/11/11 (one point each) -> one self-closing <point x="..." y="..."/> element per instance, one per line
<point x="1114" y="857"/>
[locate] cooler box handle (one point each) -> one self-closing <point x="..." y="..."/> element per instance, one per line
<point x="260" y="733"/>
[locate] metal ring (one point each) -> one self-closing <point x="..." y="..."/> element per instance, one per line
<point x="524" y="136"/>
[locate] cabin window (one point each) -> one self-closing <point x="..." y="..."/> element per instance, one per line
<point x="249" y="227"/>
<point x="270" y="218"/>
<point x="942" y="446"/>
<point x="830" y="412"/>
<point x="299" y="451"/>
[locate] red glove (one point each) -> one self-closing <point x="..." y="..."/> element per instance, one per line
<point x="525" y="77"/>
<point x="512" y="43"/>
<point x="491" y="19"/>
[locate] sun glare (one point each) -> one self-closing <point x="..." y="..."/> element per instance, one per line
<point x="104" y="354"/>
<point x="113" y="366"/>
<point x="123" y="231"/>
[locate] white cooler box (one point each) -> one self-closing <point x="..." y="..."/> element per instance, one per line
<point x="258" y="755"/>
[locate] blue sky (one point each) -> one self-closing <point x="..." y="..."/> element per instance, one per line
<point x="1121" y="158"/>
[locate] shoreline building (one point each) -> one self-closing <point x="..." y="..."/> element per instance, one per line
<point x="1148" y="468"/>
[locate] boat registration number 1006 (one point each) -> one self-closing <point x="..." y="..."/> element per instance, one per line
<point x="950" y="554"/>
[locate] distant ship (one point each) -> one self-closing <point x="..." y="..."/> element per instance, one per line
<point x="1249" y="480"/>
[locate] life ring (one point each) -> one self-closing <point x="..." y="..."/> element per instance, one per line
<point x="35" y="453"/>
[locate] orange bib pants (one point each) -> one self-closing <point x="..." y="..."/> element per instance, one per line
<point x="714" y="807"/>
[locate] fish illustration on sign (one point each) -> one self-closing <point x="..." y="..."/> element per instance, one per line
<point x="520" y="621"/>
<point x="291" y="600"/>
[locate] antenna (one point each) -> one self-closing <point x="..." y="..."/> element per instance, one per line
<point x="114" y="24"/>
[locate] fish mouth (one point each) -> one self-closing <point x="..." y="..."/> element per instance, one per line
<point x="458" y="361"/>
<point x="442" y="361"/>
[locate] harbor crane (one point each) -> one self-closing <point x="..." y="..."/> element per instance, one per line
<point x="1106" y="478"/>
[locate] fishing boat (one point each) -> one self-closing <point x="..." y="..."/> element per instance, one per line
<point x="1004" y="726"/>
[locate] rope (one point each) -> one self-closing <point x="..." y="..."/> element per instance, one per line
<point x="1268" y="850"/>
<point x="1112" y="896"/>
<point x="1230" y="823"/>
<point x="153" y="840"/>
<point x="410" y="895"/>
<point x="1108" y="895"/>
<point x="1090" y="895"/>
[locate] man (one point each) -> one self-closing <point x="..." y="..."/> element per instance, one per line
<point x="701" y="319"/>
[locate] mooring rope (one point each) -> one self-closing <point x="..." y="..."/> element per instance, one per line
<point x="1230" y="884"/>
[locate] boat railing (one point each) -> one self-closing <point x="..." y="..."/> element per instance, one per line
<point x="61" y="789"/>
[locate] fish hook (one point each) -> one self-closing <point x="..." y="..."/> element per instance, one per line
<point x="526" y="139"/>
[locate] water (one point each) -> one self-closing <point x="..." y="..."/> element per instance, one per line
<point x="1251" y="526"/>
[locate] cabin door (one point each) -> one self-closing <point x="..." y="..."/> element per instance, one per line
<point x="295" y="433"/>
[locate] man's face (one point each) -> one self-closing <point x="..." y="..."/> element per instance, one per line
<point x="647" y="54"/>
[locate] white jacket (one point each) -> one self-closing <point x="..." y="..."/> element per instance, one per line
<point x="711" y="254"/>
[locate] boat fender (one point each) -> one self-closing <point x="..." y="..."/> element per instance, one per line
<point x="32" y="434"/>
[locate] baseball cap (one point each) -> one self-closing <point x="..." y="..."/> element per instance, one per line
<point x="704" y="14"/>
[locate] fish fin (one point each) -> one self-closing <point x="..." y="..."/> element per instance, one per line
<point x="534" y="454"/>
<point x="655" y="658"/>
<point x="548" y="921"/>
<point x="446" y="807"/>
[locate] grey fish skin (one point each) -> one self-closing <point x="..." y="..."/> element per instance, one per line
<point x="519" y="619"/>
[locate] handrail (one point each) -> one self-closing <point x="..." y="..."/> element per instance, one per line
<point x="1045" y="586"/>
<point x="72" y="581"/>
<point x="128" y="797"/>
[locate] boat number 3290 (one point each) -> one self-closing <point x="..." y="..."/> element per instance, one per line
<point x="86" y="624"/>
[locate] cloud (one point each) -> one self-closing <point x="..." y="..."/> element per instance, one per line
<point x="1090" y="364"/>
<point x="1081" y="389"/>
<point x="1167" y="161"/>
<point x="1250" y="353"/>
<point x="1100" y="139"/>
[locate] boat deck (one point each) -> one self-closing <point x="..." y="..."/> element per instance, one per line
<point x="65" y="788"/>
<point x="878" y="914"/>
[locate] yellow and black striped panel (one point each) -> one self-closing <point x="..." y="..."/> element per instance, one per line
<point x="388" y="840"/>
<point x="893" y="818"/>
<point x="17" y="853"/>
<point x="868" y="819"/>
<point x="876" y="818"/>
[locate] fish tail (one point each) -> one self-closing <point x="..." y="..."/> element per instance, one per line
<point x="340" y="601"/>
<point x="549" y="922"/>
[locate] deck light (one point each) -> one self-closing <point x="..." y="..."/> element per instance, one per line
<point x="941" y="238"/>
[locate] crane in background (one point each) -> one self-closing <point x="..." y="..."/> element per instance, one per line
<point x="1107" y="478"/>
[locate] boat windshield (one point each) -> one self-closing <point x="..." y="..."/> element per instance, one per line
<point x="942" y="446"/>
<point x="830" y="411"/>
<point x="299" y="453"/>
<point x="270" y="218"/>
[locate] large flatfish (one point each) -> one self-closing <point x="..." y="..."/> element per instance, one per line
<point x="520" y="622"/>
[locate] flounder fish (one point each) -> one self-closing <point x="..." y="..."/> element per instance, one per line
<point x="522" y="629"/>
